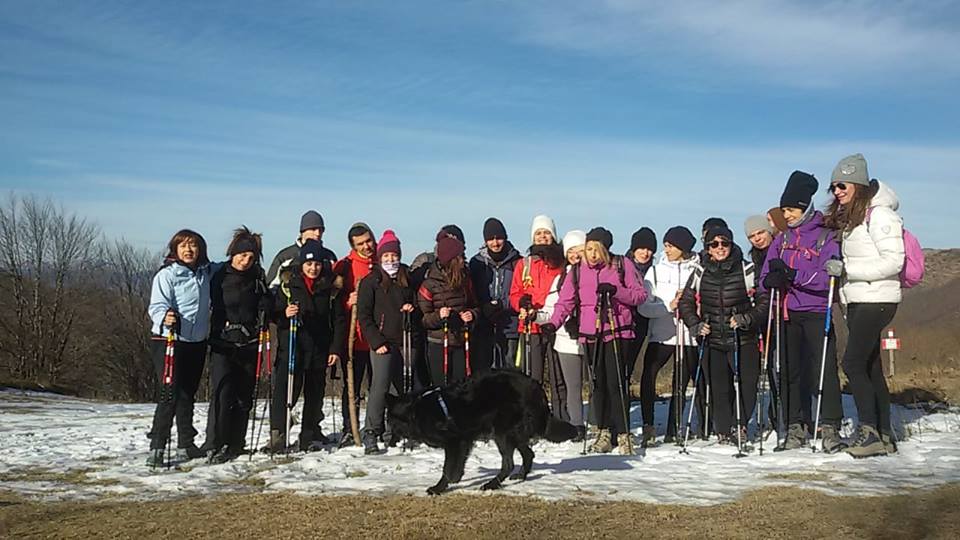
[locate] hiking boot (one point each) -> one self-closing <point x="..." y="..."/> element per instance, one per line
<point x="889" y="443"/>
<point x="603" y="444"/>
<point x="625" y="444"/>
<point x="155" y="458"/>
<point x="868" y="444"/>
<point x="277" y="444"/>
<point x="649" y="439"/>
<point x="190" y="452"/>
<point x="370" y="446"/>
<point x="223" y="455"/>
<point x="669" y="438"/>
<point x="796" y="437"/>
<point x="581" y="434"/>
<point x="830" y="437"/>
<point x="345" y="440"/>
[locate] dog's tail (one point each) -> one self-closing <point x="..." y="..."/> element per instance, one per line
<point x="559" y="431"/>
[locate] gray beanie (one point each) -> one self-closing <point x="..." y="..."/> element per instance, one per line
<point x="757" y="223"/>
<point x="311" y="220"/>
<point x="852" y="170"/>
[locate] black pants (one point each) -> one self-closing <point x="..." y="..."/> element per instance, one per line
<point x="188" y="368"/>
<point x="361" y="368"/>
<point x="541" y="348"/>
<point x="309" y="377"/>
<point x="633" y="348"/>
<point x="723" y="402"/>
<point x="655" y="358"/>
<point x="862" y="363"/>
<point x="456" y="364"/>
<point x="490" y="349"/>
<point x="610" y="391"/>
<point x="232" y="378"/>
<point x="803" y="345"/>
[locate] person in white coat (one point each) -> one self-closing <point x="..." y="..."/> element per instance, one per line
<point x="569" y="351"/>
<point x="864" y="212"/>
<point x="664" y="282"/>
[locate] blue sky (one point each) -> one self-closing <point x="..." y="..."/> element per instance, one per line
<point x="152" y="116"/>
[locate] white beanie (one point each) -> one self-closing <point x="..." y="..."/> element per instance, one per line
<point x="543" y="222"/>
<point x="574" y="238"/>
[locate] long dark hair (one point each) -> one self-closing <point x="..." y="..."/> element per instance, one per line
<point x="454" y="272"/>
<point x="551" y="253"/>
<point x="180" y="237"/>
<point x="846" y="218"/>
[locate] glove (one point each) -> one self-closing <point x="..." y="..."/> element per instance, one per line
<point x="701" y="329"/>
<point x="776" y="280"/>
<point x="742" y="321"/>
<point x="834" y="267"/>
<point x="606" y="288"/>
<point x="526" y="302"/>
<point x="548" y="329"/>
<point x="778" y="265"/>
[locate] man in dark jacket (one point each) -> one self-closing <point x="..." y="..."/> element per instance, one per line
<point x="311" y="228"/>
<point x="491" y="271"/>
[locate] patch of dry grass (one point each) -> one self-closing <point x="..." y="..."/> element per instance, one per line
<point x="41" y="474"/>
<point x="777" y="512"/>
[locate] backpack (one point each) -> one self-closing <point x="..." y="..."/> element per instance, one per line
<point x="914" y="264"/>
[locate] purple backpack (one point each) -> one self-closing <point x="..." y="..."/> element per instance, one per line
<point x="914" y="264"/>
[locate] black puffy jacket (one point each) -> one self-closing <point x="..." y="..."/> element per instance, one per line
<point x="724" y="292"/>
<point x="239" y="304"/>
<point x="322" y="318"/>
<point x="379" y="299"/>
<point x="436" y="293"/>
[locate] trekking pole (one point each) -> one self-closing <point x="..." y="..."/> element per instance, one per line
<point x="625" y="405"/>
<point x="407" y="354"/>
<point x="693" y="400"/>
<point x="518" y="360"/>
<point x="736" y="387"/>
<point x="333" y="399"/>
<point x="778" y="369"/>
<point x="446" y="349"/>
<point x="761" y="425"/>
<point x="823" y="362"/>
<point x="167" y="395"/>
<point x="268" y="368"/>
<point x="466" y="349"/>
<point x="256" y="387"/>
<point x="351" y="379"/>
<point x="527" y="350"/>
<point x="291" y="367"/>
<point x="592" y="364"/>
<point x="680" y="397"/>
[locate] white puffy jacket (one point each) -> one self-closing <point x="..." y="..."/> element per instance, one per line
<point x="873" y="253"/>
<point x="662" y="281"/>
<point x="562" y="343"/>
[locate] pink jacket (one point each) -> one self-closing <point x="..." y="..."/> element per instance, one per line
<point x="630" y="293"/>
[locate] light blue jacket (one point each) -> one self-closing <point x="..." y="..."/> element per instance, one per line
<point x="186" y="292"/>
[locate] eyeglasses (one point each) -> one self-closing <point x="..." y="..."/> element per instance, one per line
<point x="719" y="243"/>
<point x="839" y="185"/>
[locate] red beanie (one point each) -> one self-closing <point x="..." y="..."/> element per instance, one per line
<point x="448" y="248"/>
<point x="389" y="243"/>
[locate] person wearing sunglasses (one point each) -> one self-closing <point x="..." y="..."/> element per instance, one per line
<point x="795" y="266"/>
<point x="729" y="319"/>
<point x="864" y="213"/>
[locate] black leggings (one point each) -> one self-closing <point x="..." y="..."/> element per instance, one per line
<point x="456" y="364"/>
<point x="610" y="390"/>
<point x="862" y="363"/>
<point x="309" y="377"/>
<point x="723" y="392"/>
<point x="654" y="360"/>
<point x="188" y="368"/>
<point x="232" y="378"/>
<point x="803" y="345"/>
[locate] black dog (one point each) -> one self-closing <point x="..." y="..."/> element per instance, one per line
<point x="507" y="406"/>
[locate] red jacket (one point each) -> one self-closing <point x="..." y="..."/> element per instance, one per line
<point x="353" y="268"/>
<point x="536" y="282"/>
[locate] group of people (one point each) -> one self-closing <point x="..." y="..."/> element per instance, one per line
<point x="566" y="311"/>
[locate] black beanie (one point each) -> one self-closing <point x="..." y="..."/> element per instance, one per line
<point x="681" y="238"/>
<point x="801" y="187"/>
<point x="493" y="228"/>
<point x="644" y="238"/>
<point x="716" y="231"/>
<point x="599" y="234"/>
<point x="451" y="230"/>
<point x="311" y="220"/>
<point x="311" y="250"/>
<point x="243" y="245"/>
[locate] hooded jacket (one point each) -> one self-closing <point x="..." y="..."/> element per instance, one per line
<point x="379" y="300"/>
<point x="187" y="292"/>
<point x="629" y="294"/>
<point x="492" y="281"/>
<point x="662" y="282"/>
<point x="539" y="277"/>
<point x="798" y="247"/>
<point x="873" y="253"/>
<point x="435" y="293"/>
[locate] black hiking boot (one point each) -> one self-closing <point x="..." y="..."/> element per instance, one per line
<point x="581" y="434"/>
<point x="345" y="440"/>
<point x="190" y="452"/>
<point x="156" y="458"/>
<point x="370" y="446"/>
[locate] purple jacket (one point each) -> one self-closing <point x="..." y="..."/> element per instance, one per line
<point x="626" y="298"/>
<point x="798" y="248"/>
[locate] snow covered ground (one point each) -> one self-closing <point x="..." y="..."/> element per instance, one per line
<point x="57" y="447"/>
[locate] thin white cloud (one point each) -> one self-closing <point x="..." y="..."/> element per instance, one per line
<point x="798" y="43"/>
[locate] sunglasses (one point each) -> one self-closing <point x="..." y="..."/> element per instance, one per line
<point x="719" y="243"/>
<point x="839" y="185"/>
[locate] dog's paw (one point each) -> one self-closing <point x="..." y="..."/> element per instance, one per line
<point x="521" y="476"/>
<point x="491" y="485"/>
<point x="436" y="490"/>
